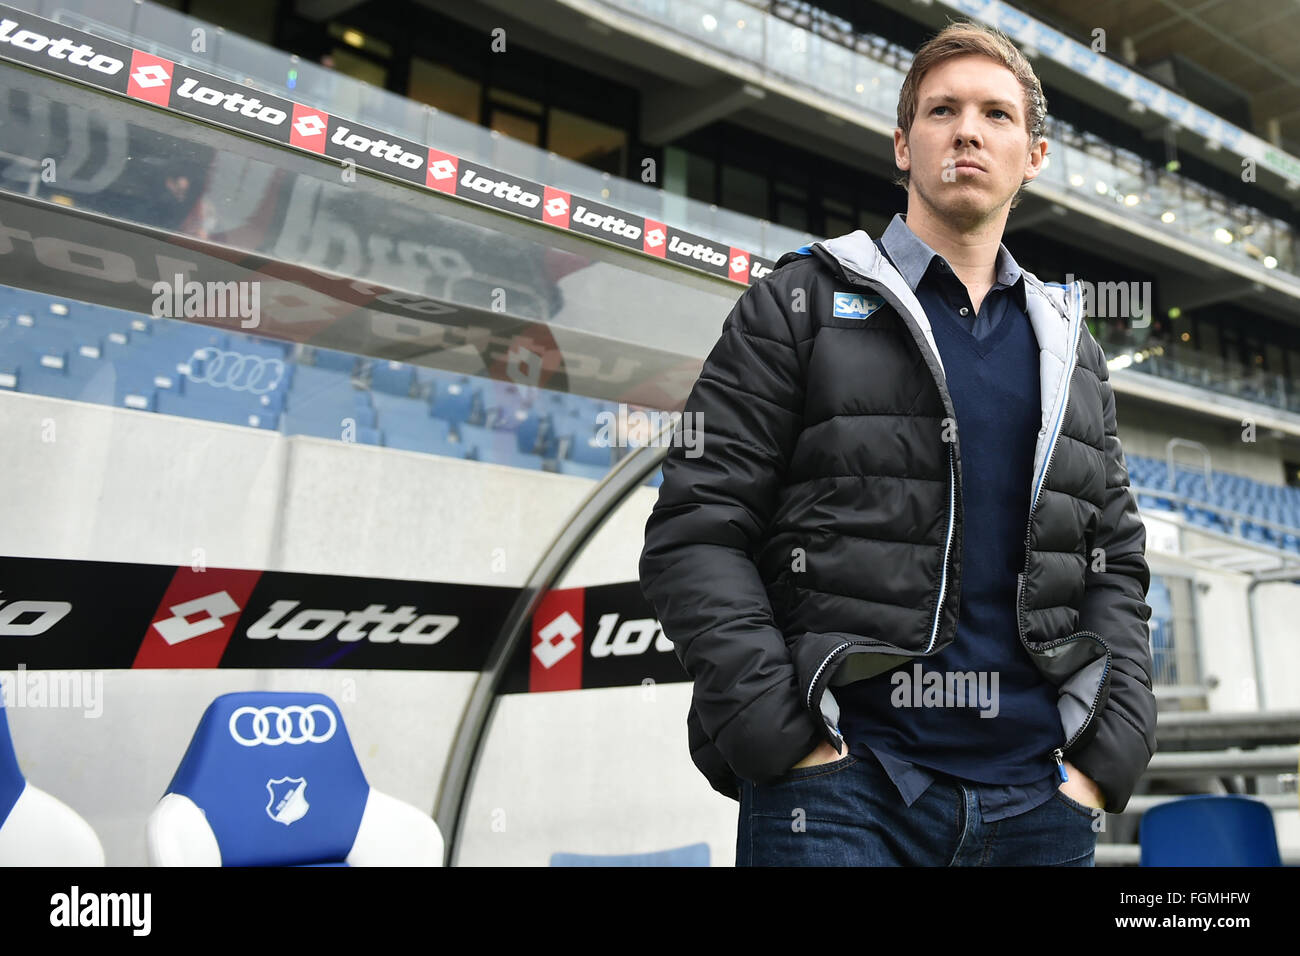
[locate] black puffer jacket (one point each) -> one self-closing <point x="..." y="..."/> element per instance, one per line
<point x="816" y="540"/>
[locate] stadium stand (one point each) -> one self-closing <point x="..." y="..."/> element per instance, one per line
<point x="89" y="353"/>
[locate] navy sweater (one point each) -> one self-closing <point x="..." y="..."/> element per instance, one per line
<point x="996" y="722"/>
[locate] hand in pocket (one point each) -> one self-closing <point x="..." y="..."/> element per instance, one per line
<point x="824" y="753"/>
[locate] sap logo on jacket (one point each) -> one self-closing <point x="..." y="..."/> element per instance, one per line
<point x="853" y="305"/>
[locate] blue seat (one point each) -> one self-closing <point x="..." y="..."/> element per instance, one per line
<point x="394" y="378"/>
<point x="431" y="443"/>
<point x="536" y="435"/>
<point x="1209" y="830"/>
<point x="589" y="451"/>
<point x="271" y="779"/>
<point x="39" y="376"/>
<point x="237" y="376"/>
<point x="172" y="403"/>
<point x="336" y="361"/>
<point x="492" y="445"/>
<point x="457" y="401"/>
<point x="696" y="854"/>
<point x="309" y="385"/>
<point x="318" y="426"/>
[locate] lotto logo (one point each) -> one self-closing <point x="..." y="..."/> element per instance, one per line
<point x="555" y="658"/>
<point x="307" y="128"/>
<point x="213" y="607"/>
<point x="557" y="640"/>
<point x="150" y="78"/>
<point x="196" y="617"/>
<point x="310" y="125"/>
<point x="655" y="237"/>
<point x="441" y="171"/>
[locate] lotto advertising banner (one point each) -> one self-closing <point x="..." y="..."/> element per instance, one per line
<point x="93" y="615"/>
<point x="149" y="78"/>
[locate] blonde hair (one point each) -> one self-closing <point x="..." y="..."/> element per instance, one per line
<point x="966" y="38"/>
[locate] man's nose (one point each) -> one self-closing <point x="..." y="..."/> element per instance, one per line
<point x="968" y="128"/>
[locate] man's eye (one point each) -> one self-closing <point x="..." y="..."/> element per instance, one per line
<point x="1003" y="112"/>
<point x="937" y="108"/>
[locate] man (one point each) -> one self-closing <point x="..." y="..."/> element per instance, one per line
<point x="911" y="488"/>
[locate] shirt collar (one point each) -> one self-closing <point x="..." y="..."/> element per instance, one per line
<point x="912" y="256"/>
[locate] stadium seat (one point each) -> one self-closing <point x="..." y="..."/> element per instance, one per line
<point x="395" y="378"/>
<point x="337" y="361"/>
<point x="458" y="401"/>
<point x="697" y="854"/>
<point x="271" y="779"/>
<point x="35" y="828"/>
<point x="363" y="431"/>
<point x="1209" y="830"/>
<point x="590" y="451"/>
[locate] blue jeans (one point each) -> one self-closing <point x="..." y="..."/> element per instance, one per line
<point x="849" y="813"/>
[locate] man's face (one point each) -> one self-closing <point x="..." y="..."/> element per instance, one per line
<point x="970" y="110"/>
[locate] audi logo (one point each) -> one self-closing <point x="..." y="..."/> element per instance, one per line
<point x="235" y="370"/>
<point x="285" y="731"/>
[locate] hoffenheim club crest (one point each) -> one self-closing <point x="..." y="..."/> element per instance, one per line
<point x="288" y="799"/>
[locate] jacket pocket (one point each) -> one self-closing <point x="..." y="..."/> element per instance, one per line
<point x="709" y="760"/>
<point x="816" y="656"/>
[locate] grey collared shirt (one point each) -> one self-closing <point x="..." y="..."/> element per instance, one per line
<point x="916" y="261"/>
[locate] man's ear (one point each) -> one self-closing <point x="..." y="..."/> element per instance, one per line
<point x="1034" y="160"/>
<point x="902" y="154"/>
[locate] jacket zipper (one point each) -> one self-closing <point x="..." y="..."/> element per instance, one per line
<point x="1100" y="684"/>
<point x="1058" y="753"/>
<point x="835" y="736"/>
<point x="943" y="587"/>
<point x="947" y="548"/>
<point x="889" y="296"/>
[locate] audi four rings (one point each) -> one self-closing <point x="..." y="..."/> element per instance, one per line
<point x="284" y="725"/>
<point x="236" y="371"/>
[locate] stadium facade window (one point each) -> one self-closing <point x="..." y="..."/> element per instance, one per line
<point x="515" y="125"/>
<point x="587" y="141"/>
<point x="744" y="191"/>
<point x="358" y="67"/>
<point x="1207" y="336"/>
<point x="837" y="217"/>
<point x="874" y="223"/>
<point x="445" y="89"/>
<point x="253" y="20"/>
<point x="790" y="206"/>
<point x="515" y="116"/>
<point x="1291" y="469"/>
<point x="701" y="177"/>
